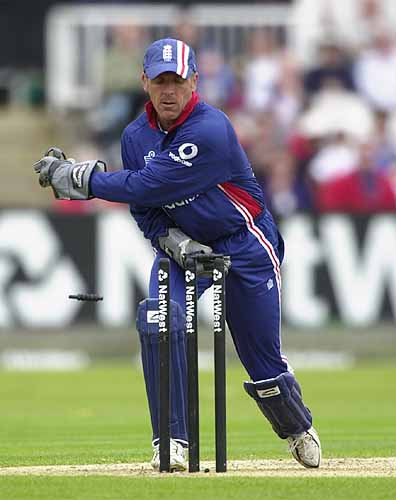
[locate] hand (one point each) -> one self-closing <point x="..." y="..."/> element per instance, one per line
<point x="69" y="180"/>
<point x="189" y="249"/>
<point x="46" y="168"/>
<point x="181" y="247"/>
<point x="183" y="250"/>
<point x="204" y="263"/>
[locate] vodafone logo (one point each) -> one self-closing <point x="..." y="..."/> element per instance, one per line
<point x="187" y="151"/>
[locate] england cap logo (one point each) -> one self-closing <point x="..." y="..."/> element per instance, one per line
<point x="169" y="54"/>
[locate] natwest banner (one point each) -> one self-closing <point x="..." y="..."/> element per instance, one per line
<point x="339" y="267"/>
<point x="336" y="267"/>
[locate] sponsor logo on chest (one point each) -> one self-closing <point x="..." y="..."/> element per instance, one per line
<point x="181" y="203"/>
<point x="186" y="151"/>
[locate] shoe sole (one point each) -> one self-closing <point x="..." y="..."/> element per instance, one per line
<point x="173" y="468"/>
<point x="295" y="454"/>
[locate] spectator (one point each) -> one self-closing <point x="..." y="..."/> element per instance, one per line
<point x="390" y="132"/>
<point x="333" y="69"/>
<point x="364" y="190"/>
<point x="375" y="72"/>
<point x="285" y="190"/>
<point x="123" y="96"/>
<point x="385" y="150"/>
<point x="245" y="128"/>
<point x="266" y="142"/>
<point x="216" y="83"/>
<point x="351" y="22"/>
<point x="289" y="94"/>
<point x="336" y="157"/>
<point x="334" y="122"/>
<point x="262" y="71"/>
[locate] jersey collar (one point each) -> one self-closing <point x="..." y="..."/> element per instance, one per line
<point x="188" y="109"/>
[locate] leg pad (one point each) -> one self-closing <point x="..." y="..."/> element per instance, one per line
<point x="280" y="400"/>
<point x="147" y="326"/>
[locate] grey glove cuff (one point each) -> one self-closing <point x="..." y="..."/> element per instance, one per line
<point x="72" y="183"/>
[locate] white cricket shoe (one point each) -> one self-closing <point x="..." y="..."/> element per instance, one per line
<point x="178" y="461"/>
<point x="306" y="448"/>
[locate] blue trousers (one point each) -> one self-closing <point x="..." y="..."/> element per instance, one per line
<point x="253" y="286"/>
<point x="253" y="307"/>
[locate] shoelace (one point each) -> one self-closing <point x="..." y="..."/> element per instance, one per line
<point x="302" y="442"/>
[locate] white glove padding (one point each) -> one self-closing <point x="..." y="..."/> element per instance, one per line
<point x="181" y="247"/>
<point x="69" y="181"/>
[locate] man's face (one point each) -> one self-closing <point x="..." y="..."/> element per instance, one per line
<point x="169" y="94"/>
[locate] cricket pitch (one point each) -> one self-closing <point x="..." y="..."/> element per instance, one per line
<point x="333" y="467"/>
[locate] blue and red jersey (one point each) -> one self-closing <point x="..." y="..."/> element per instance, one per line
<point x="195" y="176"/>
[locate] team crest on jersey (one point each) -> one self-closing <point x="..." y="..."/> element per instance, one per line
<point x="167" y="53"/>
<point x="149" y="156"/>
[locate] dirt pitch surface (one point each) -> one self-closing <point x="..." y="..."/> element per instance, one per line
<point x="334" y="467"/>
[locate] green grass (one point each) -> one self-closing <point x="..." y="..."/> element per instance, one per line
<point x="108" y="488"/>
<point x="100" y="415"/>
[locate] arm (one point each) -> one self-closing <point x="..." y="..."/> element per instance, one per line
<point x="155" y="185"/>
<point x="193" y="163"/>
<point x="153" y="222"/>
<point x="183" y="169"/>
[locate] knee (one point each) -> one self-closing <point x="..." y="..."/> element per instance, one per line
<point x="147" y="320"/>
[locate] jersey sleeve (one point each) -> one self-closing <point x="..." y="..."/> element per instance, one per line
<point x="191" y="164"/>
<point x="153" y="222"/>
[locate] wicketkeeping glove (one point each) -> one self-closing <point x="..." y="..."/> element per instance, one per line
<point x="68" y="179"/>
<point x="182" y="249"/>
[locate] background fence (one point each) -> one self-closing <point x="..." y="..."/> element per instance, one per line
<point x="78" y="38"/>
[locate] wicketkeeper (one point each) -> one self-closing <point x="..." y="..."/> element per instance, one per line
<point x="191" y="189"/>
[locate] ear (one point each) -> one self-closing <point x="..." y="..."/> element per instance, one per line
<point x="144" y="81"/>
<point x="194" y="81"/>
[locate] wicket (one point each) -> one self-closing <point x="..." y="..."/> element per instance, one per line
<point x="164" y="355"/>
<point x="208" y="266"/>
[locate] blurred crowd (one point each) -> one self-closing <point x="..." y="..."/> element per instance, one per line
<point x="320" y="131"/>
